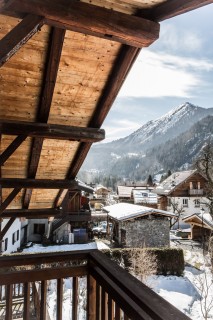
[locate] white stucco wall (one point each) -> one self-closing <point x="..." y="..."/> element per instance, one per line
<point x="14" y="229"/>
<point x="190" y="209"/>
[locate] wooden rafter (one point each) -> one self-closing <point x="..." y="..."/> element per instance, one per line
<point x="53" y="59"/>
<point x="44" y="214"/>
<point x="40" y="183"/>
<point x="11" y="148"/>
<point x="51" y="131"/>
<point x="31" y="213"/>
<point x="9" y="199"/>
<point x="18" y="36"/>
<point x="172" y="8"/>
<point x="6" y="228"/>
<point x="121" y="68"/>
<point x="93" y="20"/>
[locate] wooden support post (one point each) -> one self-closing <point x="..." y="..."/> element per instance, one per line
<point x="91" y="298"/>
<point x="18" y="36"/>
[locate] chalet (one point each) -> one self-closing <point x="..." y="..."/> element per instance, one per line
<point x="62" y="64"/>
<point x="137" y="194"/>
<point x="182" y="192"/>
<point x="201" y="225"/>
<point x="139" y="226"/>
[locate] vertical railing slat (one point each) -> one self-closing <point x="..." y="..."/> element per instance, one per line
<point x="43" y="304"/>
<point x="27" y="301"/>
<point x="91" y="298"/>
<point x="103" y="304"/>
<point x="74" y="298"/>
<point x="117" y="312"/>
<point x="97" y="307"/>
<point x="59" y="298"/>
<point x="9" y="293"/>
<point x="110" y="311"/>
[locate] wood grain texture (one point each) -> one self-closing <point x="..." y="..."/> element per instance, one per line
<point x="18" y="36"/>
<point x="92" y="20"/>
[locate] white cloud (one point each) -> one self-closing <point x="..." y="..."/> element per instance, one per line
<point x="164" y="75"/>
<point x="175" y="38"/>
<point x="119" y="129"/>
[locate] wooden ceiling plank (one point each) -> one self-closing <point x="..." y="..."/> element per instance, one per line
<point x="121" y="68"/>
<point x="6" y="228"/>
<point x="49" y="131"/>
<point x="11" y="148"/>
<point x="172" y="8"/>
<point x="53" y="59"/>
<point x="93" y="20"/>
<point x="9" y="199"/>
<point x="18" y="36"/>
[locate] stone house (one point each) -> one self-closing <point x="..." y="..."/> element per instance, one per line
<point x="182" y="192"/>
<point x="139" y="226"/>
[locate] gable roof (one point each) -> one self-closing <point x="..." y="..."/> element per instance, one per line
<point x="126" y="211"/>
<point x="173" y="181"/>
<point x="62" y="66"/>
<point x="204" y="219"/>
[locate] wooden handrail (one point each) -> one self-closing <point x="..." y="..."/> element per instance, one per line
<point x="111" y="290"/>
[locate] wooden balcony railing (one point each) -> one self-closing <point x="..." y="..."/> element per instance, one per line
<point x="196" y="192"/>
<point x="109" y="292"/>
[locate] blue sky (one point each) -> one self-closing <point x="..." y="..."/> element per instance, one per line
<point x="176" y="68"/>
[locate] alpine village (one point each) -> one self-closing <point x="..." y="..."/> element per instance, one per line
<point x="106" y="231"/>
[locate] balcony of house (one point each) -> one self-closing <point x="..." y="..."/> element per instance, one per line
<point x="99" y="289"/>
<point x="196" y="192"/>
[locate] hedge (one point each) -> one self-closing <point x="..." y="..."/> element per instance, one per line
<point x="170" y="261"/>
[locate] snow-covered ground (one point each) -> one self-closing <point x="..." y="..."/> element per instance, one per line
<point x="185" y="292"/>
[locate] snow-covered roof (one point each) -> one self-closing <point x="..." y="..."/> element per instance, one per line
<point x="124" y="191"/>
<point x="126" y="211"/>
<point x="175" y="179"/>
<point x="204" y="218"/>
<point x="144" y="196"/>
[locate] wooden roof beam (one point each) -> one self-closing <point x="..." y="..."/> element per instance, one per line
<point x="52" y="65"/>
<point x="11" y="148"/>
<point x="40" y="184"/>
<point x="31" y="213"/>
<point x="9" y="199"/>
<point x="93" y="20"/>
<point x="51" y="131"/>
<point x="172" y="8"/>
<point x="44" y="214"/>
<point x="18" y="36"/>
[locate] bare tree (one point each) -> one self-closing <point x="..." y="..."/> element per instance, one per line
<point x="204" y="165"/>
<point x="177" y="209"/>
<point x="205" y="287"/>
<point x="143" y="263"/>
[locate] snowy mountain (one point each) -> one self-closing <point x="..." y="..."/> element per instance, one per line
<point x="130" y="153"/>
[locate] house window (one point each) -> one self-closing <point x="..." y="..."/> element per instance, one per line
<point x="169" y="202"/>
<point x="185" y="203"/>
<point x="39" y="228"/>
<point x="5" y="244"/>
<point x="197" y="203"/>
<point x="15" y="236"/>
